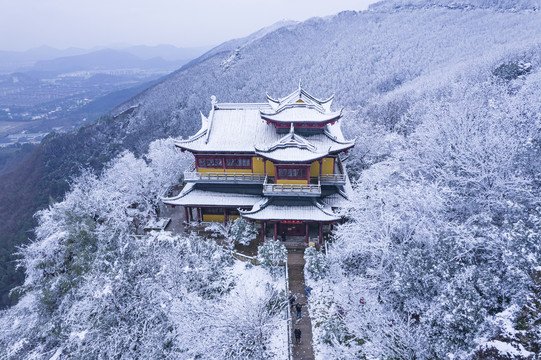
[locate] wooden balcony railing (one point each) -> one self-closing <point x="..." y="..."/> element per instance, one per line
<point x="192" y="176"/>
<point x="332" y="179"/>
<point x="339" y="178"/>
<point x="291" y="189"/>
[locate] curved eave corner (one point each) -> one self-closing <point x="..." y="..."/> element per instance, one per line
<point x="174" y="200"/>
<point x="345" y="147"/>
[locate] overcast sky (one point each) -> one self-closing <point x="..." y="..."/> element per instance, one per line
<point x="86" y="23"/>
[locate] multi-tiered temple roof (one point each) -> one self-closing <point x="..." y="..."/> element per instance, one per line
<point x="241" y="127"/>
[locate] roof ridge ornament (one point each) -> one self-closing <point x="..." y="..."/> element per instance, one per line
<point x="204" y="121"/>
<point x="213" y="102"/>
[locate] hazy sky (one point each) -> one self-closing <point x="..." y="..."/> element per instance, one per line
<point x="87" y="23"/>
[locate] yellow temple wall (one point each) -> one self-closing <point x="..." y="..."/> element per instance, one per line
<point x="314" y="169"/>
<point x="292" y="182"/>
<point x="270" y="168"/>
<point x="238" y="171"/>
<point x="205" y="170"/>
<point x="258" y="166"/>
<point x="208" y="217"/>
<point x="219" y="218"/>
<point x="328" y="166"/>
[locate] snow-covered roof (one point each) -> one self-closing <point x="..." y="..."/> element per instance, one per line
<point x="292" y="154"/>
<point x="300" y="106"/>
<point x="192" y="196"/>
<point x="289" y="209"/>
<point x="336" y="200"/>
<point x="300" y="96"/>
<point x="238" y="128"/>
<point x="292" y="147"/>
<point x="300" y="113"/>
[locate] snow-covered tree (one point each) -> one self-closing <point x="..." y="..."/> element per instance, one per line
<point x="271" y="254"/>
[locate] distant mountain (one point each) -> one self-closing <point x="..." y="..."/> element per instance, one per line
<point x="14" y="60"/>
<point x="378" y="62"/>
<point x="166" y="52"/>
<point x="46" y="57"/>
<point x="103" y="60"/>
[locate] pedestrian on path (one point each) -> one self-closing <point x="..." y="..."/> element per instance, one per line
<point x="308" y="291"/>
<point x="297" y="336"/>
<point x="292" y="299"/>
<point x="298" y="307"/>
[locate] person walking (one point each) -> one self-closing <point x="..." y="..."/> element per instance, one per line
<point x="297" y="336"/>
<point x="298" y="307"/>
<point x="292" y="299"/>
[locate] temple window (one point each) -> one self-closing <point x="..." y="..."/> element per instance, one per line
<point x="291" y="173"/>
<point x="238" y="163"/>
<point x="210" y="162"/>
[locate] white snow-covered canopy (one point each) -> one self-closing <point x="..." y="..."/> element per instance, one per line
<point x="276" y="209"/>
<point x="191" y="196"/>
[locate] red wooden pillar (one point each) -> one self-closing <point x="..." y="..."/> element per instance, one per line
<point x="225" y="216"/>
<point x="223" y="163"/>
<point x="262" y="231"/>
<point x="307" y="233"/>
<point x="199" y="215"/>
<point x="275" y="231"/>
<point x="320" y="233"/>
<point x="186" y="219"/>
<point x="264" y="166"/>
<point x="320" y="167"/>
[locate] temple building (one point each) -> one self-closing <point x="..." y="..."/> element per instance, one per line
<point x="276" y="163"/>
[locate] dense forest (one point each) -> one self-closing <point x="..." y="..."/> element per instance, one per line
<point x="442" y="244"/>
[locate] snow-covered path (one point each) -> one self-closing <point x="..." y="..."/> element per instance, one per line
<point x="302" y="351"/>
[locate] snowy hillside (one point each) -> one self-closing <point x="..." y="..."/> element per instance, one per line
<point x="440" y="258"/>
<point x="370" y="59"/>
